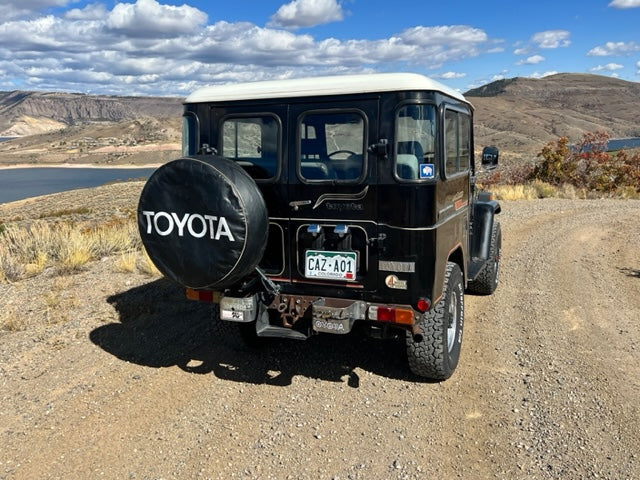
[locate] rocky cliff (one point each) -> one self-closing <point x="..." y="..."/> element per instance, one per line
<point x="27" y="113"/>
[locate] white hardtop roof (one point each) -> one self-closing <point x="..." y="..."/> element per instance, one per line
<point x="316" y="86"/>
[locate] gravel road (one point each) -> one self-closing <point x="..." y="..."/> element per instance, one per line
<point x="120" y="377"/>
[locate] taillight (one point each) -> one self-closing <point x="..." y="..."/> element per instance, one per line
<point x="203" y="295"/>
<point x="423" y="305"/>
<point x="403" y="316"/>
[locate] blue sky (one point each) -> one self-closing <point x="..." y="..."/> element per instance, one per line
<point x="166" y="47"/>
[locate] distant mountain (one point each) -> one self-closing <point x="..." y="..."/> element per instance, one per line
<point x="520" y="115"/>
<point x="28" y="113"/>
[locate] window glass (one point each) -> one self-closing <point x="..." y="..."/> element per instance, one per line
<point x="457" y="138"/>
<point x="451" y="142"/>
<point x="332" y="146"/>
<point x="189" y="134"/>
<point x="415" y="146"/>
<point x="253" y="143"/>
<point x="465" y="141"/>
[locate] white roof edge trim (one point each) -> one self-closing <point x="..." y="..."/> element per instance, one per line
<point x="318" y="86"/>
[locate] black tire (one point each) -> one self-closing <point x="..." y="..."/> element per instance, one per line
<point x="436" y="356"/>
<point x="487" y="280"/>
<point x="203" y="221"/>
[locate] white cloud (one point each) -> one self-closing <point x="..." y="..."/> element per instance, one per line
<point x="450" y="75"/>
<point x="542" y="75"/>
<point x="552" y="39"/>
<point x="147" y="47"/>
<point x="614" y="49"/>
<point x="147" y="17"/>
<point x="94" y="11"/>
<point x="11" y="10"/>
<point x="307" y="13"/>
<point x="533" y="60"/>
<point x="625" y="4"/>
<point x="608" y="67"/>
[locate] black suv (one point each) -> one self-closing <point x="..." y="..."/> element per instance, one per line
<point x="313" y="205"/>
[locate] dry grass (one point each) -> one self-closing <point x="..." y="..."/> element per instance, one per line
<point x="28" y="250"/>
<point x="126" y="263"/>
<point x="58" y="303"/>
<point x="538" y="189"/>
<point x="136" y="261"/>
<point x="146" y="266"/>
<point x="514" y="192"/>
<point x="10" y="322"/>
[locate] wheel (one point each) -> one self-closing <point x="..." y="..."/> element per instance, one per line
<point x="203" y="221"/>
<point x="487" y="280"/>
<point x="436" y="355"/>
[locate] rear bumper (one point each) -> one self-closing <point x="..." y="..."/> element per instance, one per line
<point x="323" y="314"/>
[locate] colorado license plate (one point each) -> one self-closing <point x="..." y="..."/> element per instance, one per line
<point x="330" y="265"/>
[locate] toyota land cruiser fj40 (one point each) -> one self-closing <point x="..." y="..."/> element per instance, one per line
<point x="311" y="205"/>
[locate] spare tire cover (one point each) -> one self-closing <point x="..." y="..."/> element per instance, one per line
<point x="203" y="221"/>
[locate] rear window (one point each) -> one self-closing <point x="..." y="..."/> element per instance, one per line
<point x="253" y="143"/>
<point x="332" y="146"/>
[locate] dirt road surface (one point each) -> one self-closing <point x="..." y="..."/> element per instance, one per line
<point x="115" y="375"/>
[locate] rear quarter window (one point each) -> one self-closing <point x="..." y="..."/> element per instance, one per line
<point x="253" y="143"/>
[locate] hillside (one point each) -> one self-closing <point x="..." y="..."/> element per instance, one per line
<point x="522" y="114"/>
<point x="88" y="129"/>
<point x="28" y="113"/>
<point x="519" y="115"/>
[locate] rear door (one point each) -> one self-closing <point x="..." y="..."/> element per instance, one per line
<point x="256" y="138"/>
<point x="332" y="193"/>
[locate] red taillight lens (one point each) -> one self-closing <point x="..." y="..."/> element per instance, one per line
<point x="402" y="316"/>
<point x="203" y="295"/>
<point x="385" y="314"/>
<point x="423" y="305"/>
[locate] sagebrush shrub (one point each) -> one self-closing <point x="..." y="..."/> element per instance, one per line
<point x="587" y="165"/>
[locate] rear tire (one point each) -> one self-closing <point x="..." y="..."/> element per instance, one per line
<point x="436" y="356"/>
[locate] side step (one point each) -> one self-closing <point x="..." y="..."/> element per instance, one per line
<point x="265" y="329"/>
<point x="279" y="332"/>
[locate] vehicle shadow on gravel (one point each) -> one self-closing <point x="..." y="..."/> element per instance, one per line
<point x="159" y="327"/>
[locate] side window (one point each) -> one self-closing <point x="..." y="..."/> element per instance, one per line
<point x="189" y="134"/>
<point x="457" y="139"/>
<point x="253" y="143"/>
<point x="332" y="146"/>
<point x="415" y="147"/>
<point x="465" y="141"/>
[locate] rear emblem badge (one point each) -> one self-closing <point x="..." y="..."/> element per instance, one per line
<point x="394" y="282"/>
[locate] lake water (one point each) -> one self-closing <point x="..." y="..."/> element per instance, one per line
<point x="622" y="143"/>
<point x="19" y="183"/>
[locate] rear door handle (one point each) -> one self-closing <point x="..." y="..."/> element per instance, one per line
<point x="296" y="204"/>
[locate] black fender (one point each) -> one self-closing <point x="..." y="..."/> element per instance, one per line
<point x="483" y="217"/>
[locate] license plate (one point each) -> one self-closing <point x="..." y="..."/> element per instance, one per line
<point x="330" y="265"/>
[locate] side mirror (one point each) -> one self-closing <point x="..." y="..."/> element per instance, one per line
<point x="490" y="157"/>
